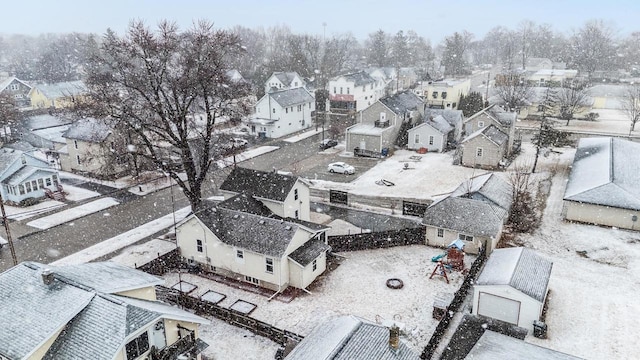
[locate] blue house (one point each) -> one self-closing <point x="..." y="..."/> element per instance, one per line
<point x="25" y="176"/>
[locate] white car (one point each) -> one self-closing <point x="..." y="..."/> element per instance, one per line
<point x="239" y="143"/>
<point x="341" y="168"/>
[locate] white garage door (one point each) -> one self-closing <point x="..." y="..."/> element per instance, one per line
<point x="498" y="307"/>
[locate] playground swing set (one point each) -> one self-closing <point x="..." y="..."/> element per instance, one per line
<point x="451" y="260"/>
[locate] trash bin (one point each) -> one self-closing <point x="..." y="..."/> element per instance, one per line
<point x="384" y="152"/>
<point x="539" y="329"/>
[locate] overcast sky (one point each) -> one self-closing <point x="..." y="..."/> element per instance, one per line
<point x="429" y="18"/>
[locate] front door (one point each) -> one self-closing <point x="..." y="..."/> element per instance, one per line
<point x="363" y="145"/>
<point x="158" y="338"/>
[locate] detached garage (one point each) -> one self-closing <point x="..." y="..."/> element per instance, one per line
<point x="513" y="287"/>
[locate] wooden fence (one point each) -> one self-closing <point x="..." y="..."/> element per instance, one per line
<point x="377" y="240"/>
<point x="203" y="307"/>
<point x="453" y="307"/>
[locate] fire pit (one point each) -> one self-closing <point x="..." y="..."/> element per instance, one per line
<point x="394" y="283"/>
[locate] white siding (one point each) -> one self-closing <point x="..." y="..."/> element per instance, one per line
<point x="498" y="297"/>
<point x="602" y="215"/>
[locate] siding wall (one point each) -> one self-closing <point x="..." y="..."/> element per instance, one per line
<point x="601" y="215"/>
<point x="491" y="154"/>
<point x="530" y="308"/>
<point x="470" y="247"/>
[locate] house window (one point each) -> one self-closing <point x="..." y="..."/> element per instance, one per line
<point x="274" y="110"/>
<point x="540" y="107"/>
<point x="435" y="95"/>
<point x="440" y="233"/>
<point x="416" y="139"/>
<point x="334" y="90"/>
<point x="479" y="152"/>
<point x="14" y="87"/>
<point x="295" y="194"/>
<point x="78" y="159"/>
<point x="47" y="181"/>
<point x="464" y="237"/>
<point x="21" y="188"/>
<point x="480" y="124"/>
<point x="75" y="144"/>
<point x="347" y="90"/>
<point x="296" y="214"/>
<point x="252" y="280"/>
<point x="40" y="183"/>
<point x="444" y="94"/>
<point x="18" y="96"/>
<point x="295" y="83"/>
<point x="199" y="245"/>
<point x="299" y="108"/>
<point x="239" y="254"/>
<point x="28" y="187"/>
<point x="286" y="110"/>
<point x="138" y="346"/>
<point x="269" y="265"/>
<point x="430" y="139"/>
<point x="315" y="264"/>
<point x="340" y="90"/>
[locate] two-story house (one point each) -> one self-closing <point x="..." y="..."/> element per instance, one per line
<point x="16" y="89"/>
<point x="285" y="195"/>
<point x="23" y="176"/>
<point x="379" y="125"/>
<point x="56" y="95"/>
<point x="282" y="81"/>
<point x="489" y="137"/>
<point x="242" y="239"/>
<point x="354" y="92"/>
<point x="283" y="112"/>
<point x="97" y="310"/>
<point x="444" y="94"/>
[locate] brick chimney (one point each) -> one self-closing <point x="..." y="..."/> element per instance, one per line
<point x="47" y="276"/>
<point x="394" y="337"/>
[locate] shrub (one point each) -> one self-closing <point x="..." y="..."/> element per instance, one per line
<point x="28" y="202"/>
<point x="592" y="116"/>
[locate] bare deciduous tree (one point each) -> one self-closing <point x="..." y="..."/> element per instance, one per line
<point x="512" y="90"/>
<point x="522" y="216"/>
<point x="631" y="105"/>
<point x="593" y="47"/>
<point x="570" y="99"/>
<point x="152" y="83"/>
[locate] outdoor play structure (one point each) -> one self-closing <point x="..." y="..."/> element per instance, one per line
<point x="452" y="259"/>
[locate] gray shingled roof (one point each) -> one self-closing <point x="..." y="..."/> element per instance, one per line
<point x="45" y="121"/>
<point x="246" y="203"/>
<point x="487" y="187"/>
<point x="8" y="157"/>
<point x="453" y="117"/>
<point x="605" y="172"/>
<point x="403" y="102"/>
<point x="490" y="132"/>
<point x="107" y="277"/>
<point x="268" y="236"/>
<point x="21" y="146"/>
<point x="291" y="97"/>
<point x="89" y="129"/>
<point x="349" y="338"/>
<point x="465" y="215"/>
<point x="503" y="117"/>
<point x="6" y="82"/>
<point x="285" y="77"/>
<point x="62" y="89"/>
<point x="520" y="268"/>
<point x="25" y="172"/>
<point x="262" y="184"/>
<point x="358" y="78"/>
<point x="493" y="345"/>
<point x="441" y="124"/>
<point x="306" y="253"/>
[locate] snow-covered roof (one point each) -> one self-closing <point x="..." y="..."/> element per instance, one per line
<point x="466" y="215"/>
<point x="487" y="187"/>
<point x="402" y="102"/>
<point x="605" y="172"/>
<point x="290" y="97"/>
<point x="358" y="78"/>
<point x="25" y="172"/>
<point x="490" y="132"/>
<point x="453" y="117"/>
<point x="261" y="184"/>
<point x="352" y="338"/>
<point x="62" y="89"/>
<point x="286" y="77"/>
<point x="107" y="277"/>
<point x="45" y="121"/>
<point x="6" y="82"/>
<point x="493" y="345"/>
<point x="520" y="268"/>
<point x="308" y="252"/>
<point x="367" y="129"/>
<point x="89" y="129"/>
<point x="498" y="114"/>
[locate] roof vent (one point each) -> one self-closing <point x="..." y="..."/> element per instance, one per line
<point x="47" y="276"/>
<point x="236" y="216"/>
<point x="261" y="222"/>
<point x="288" y="227"/>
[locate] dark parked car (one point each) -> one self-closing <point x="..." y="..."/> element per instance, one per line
<point x="327" y="143"/>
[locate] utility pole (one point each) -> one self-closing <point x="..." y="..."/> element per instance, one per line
<point x="5" y="221"/>
<point x="486" y="97"/>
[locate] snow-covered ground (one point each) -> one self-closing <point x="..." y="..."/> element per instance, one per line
<point x="612" y="122"/>
<point x="74" y="213"/>
<point x="303" y="135"/>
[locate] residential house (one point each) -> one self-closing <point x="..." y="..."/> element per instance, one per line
<point x="57" y="95"/>
<point x="475" y="212"/>
<point x="542" y="103"/>
<point x="285" y="195"/>
<point x="91" y="311"/>
<point x="444" y="94"/>
<point x="432" y="134"/>
<point x="354" y="92"/>
<point x="544" y="77"/>
<point x="283" y="112"/>
<point x="379" y="125"/>
<point x="407" y="78"/>
<point x="17" y="90"/>
<point x="353" y="338"/>
<point x="23" y="176"/>
<point x="496" y="116"/>
<point x="44" y="131"/>
<point x="386" y="78"/>
<point x="513" y="287"/>
<point x="91" y="149"/>
<point x="493" y="345"/>
<point x="235" y="76"/>
<point x="604" y="183"/>
<point x="455" y="118"/>
<point x="242" y="239"/>
<point x="535" y="64"/>
<point x="486" y="148"/>
<point x="283" y="81"/>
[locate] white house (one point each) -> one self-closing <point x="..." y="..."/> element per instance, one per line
<point x="99" y="310"/>
<point x="354" y="92"/>
<point x="475" y="212"/>
<point x="432" y="134"/>
<point x="23" y="176"/>
<point x="243" y="240"/>
<point x="604" y="183"/>
<point x="443" y="94"/>
<point x="283" y="112"/>
<point x="283" y="81"/>
<point x="513" y="287"/>
<point x="285" y="195"/>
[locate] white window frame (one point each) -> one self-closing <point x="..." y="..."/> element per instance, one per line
<point x="78" y="159"/>
<point x="480" y="123"/>
<point x="240" y="256"/>
<point x="465" y="237"/>
<point x="268" y="265"/>
<point x="479" y="152"/>
<point x="431" y="139"/>
<point x="295" y="194"/>
<point x="314" y="265"/>
<point x="199" y="246"/>
<point x="75" y="144"/>
<point x="416" y="139"/>
<point x="252" y="280"/>
<point x="296" y="214"/>
<point x="440" y="233"/>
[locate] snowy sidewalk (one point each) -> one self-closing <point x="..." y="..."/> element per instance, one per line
<point x="302" y="136"/>
<point x="73" y="213"/>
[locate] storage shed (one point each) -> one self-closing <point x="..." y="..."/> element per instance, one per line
<point x="513" y="287"/>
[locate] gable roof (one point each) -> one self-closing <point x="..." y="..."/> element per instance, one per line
<point x="605" y="172"/>
<point x="290" y="97"/>
<point x="107" y="277"/>
<point x="453" y="117"/>
<point x="493" y="345"/>
<point x="352" y="338"/>
<point x="496" y="113"/>
<point x="357" y="78"/>
<point x="465" y="215"/>
<point x="306" y="253"/>
<point x="262" y="184"/>
<point x="88" y="129"/>
<point x="490" y="132"/>
<point x="10" y="156"/>
<point x="246" y="203"/>
<point x="62" y="89"/>
<point x="6" y="82"/>
<point x="487" y="187"/>
<point x="402" y="102"/>
<point x="286" y="77"/>
<point x="520" y="268"/>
